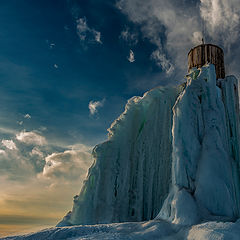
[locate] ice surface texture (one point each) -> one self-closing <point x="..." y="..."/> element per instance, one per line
<point x="205" y="160"/>
<point x="130" y="177"/>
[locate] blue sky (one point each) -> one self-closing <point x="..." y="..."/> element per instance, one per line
<point x="67" y="68"/>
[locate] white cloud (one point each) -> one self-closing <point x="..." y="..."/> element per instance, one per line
<point x="31" y="138"/>
<point x="131" y="57"/>
<point x="129" y="37"/>
<point x="55" y="65"/>
<point x="87" y="34"/>
<point x="70" y="164"/>
<point x="28" y="116"/>
<point x="94" y="105"/>
<point x="9" y="144"/>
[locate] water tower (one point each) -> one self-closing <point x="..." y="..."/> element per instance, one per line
<point x="207" y="53"/>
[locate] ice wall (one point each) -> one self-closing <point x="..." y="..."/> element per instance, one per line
<point x="205" y="159"/>
<point x="177" y="144"/>
<point x="130" y="177"/>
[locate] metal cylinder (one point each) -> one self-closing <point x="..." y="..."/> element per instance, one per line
<point x="207" y="53"/>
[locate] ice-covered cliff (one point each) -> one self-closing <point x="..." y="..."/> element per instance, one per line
<point x="180" y="145"/>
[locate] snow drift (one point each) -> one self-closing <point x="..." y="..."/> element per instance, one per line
<point x="150" y="230"/>
<point x="205" y="159"/>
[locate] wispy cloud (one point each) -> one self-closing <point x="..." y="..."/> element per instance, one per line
<point x="87" y="34"/>
<point x="94" y="105"/>
<point x="131" y="57"/>
<point x="222" y="20"/>
<point x="162" y="61"/>
<point x="31" y="138"/>
<point x="28" y="116"/>
<point x="130" y="37"/>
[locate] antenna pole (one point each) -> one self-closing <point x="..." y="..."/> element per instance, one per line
<point x="203" y="31"/>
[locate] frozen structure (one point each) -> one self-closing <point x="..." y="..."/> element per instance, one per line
<point x="205" y="158"/>
<point x="172" y="155"/>
<point x="130" y="177"/>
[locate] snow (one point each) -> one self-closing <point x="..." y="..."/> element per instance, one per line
<point x="150" y="230"/>
<point x="172" y="156"/>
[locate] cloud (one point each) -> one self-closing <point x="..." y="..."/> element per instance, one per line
<point x="55" y="66"/>
<point x="9" y="144"/>
<point x="20" y="122"/>
<point x="31" y="138"/>
<point x="2" y="152"/>
<point x="130" y="38"/>
<point x="27" y="116"/>
<point x="131" y="57"/>
<point x="36" y="151"/>
<point x="94" y="105"/>
<point x="197" y="37"/>
<point x="162" y="61"/>
<point x="174" y="27"/>
<point x="52" y="45"/>
<point x="87" y="34"/>
<point x="70" y="164"/>
<point x="222" y="20"/>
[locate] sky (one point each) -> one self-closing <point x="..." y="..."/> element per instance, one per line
<point x="67" y="69"/>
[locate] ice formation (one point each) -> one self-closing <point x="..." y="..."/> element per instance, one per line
<point x="130" y="177"/>
<point x="179" y="144"/>
<point x="205" y="159"/>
